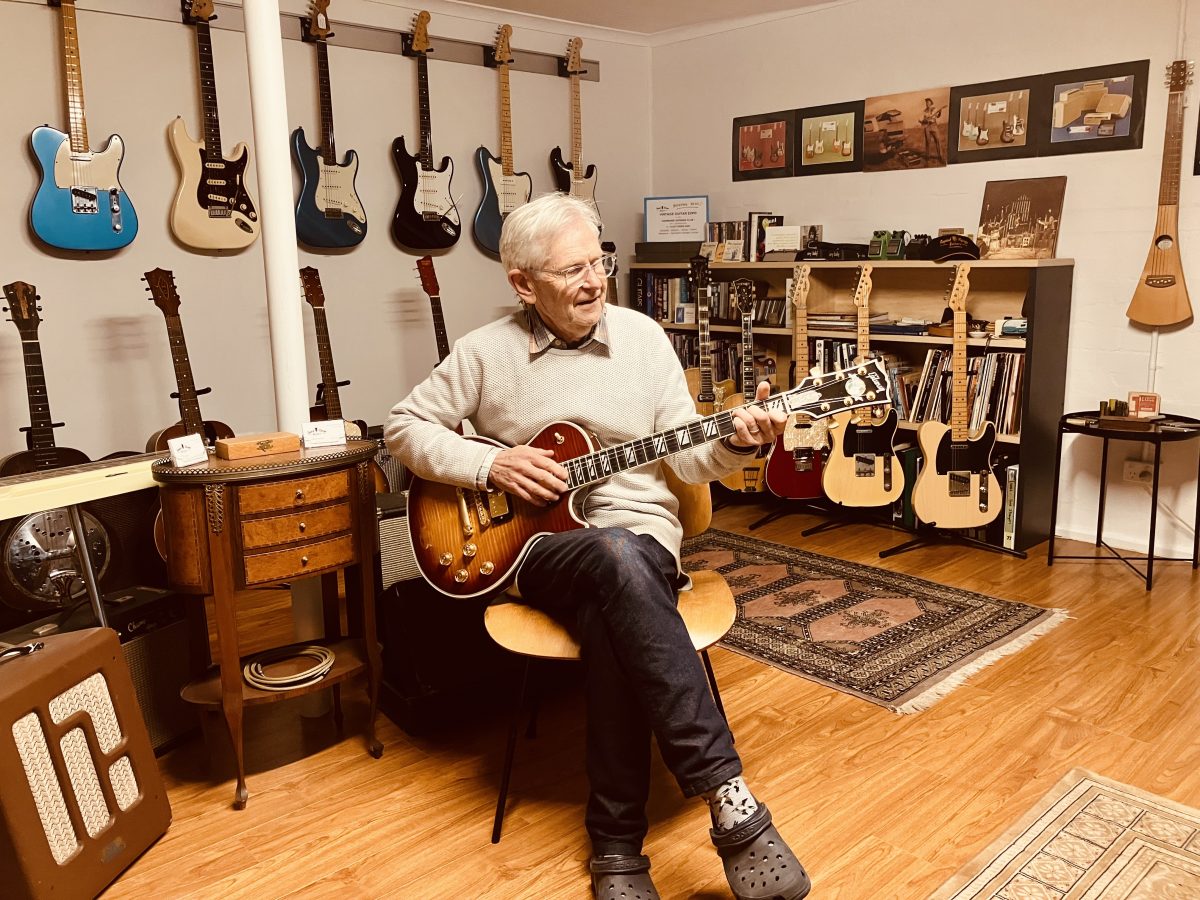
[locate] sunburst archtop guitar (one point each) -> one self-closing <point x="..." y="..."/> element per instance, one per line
<point x="709" y="395"/>
<point x="748" y="477"/>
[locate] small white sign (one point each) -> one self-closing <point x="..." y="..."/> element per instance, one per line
<point x="187" y="450"/>
<point x="324" y="434"/>
<point x="676" y="218"/>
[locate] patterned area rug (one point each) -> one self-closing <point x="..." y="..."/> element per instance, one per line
<point x="898" y="641"/>
<point x="1089" y="839"/>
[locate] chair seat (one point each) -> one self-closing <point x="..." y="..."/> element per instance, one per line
<point x="708" y="610"/>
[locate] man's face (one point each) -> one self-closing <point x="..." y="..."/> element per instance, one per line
<point x="570" y="308"/>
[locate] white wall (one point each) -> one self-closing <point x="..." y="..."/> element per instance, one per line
<point x="853" y="50"/>
<point x="108" y="366"/>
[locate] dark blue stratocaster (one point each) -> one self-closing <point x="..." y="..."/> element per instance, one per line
<point x="426" y="217"/>
<point x="503" y="188"/>
<point x="80" y="204"/>
<point x="328" y="211"/>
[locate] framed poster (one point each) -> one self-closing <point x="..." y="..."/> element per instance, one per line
<point x="993" y="120"/>
<point x="675" y="219"/>
<point x="764" y="146"/>
<point x="906" y="131"/>
<point x="1020" y="218"/>
<point x="829" y="139"/>
<point x="1092" y="110"/>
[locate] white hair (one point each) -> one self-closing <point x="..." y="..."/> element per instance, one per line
<point x="528" y="230"/>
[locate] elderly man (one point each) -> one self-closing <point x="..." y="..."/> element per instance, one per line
<point x="566" y="355"/>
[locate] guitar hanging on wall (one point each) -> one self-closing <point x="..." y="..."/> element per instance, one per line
<point x="328" y="403"/>
<point x="747" y="478"/>
<point x="571" y="177"/>
<point x="80" y="203"/>
<point x="38" y="567"/>
<point x="504" y="189"/>
<point x="426" y="217"/>
<point x="1161" y="296"/>
<point x="708" y="396"/>
<point x="329" y="212"/>
<point x="797" y="458"/>
<point x="862" y="469"/>
<point x="213" y="209"/>
<point x="956" y="487"/>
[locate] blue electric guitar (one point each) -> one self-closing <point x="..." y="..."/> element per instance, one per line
<point x="80" y="204"/>
<point x="504" y="189"/>
<point x="328" y="212"/>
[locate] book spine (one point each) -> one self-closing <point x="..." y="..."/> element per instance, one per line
<point x="1011" y="477"/>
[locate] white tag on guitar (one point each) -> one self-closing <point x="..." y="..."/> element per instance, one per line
<point x="187" y="450"/>
<point x="330" y="433"/>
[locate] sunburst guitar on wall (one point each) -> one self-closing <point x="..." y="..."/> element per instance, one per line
<point x="213" y="209"/>
<point x="504" y="188"/>
<point x="748" y="477"/>
<point x="571" y="177"/>
<point x="955" y="487"/>
<point x="797" y="457"/>
<point x="329" y="213"/>
<point x="708" y="395"/>
<point x="80" y="203"/>
<point x="1161" y="296"/>
<point x="426" y="217"/>
<point x="862" y="469"/>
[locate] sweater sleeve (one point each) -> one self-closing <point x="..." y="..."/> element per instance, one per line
<point x="419" y="431"/>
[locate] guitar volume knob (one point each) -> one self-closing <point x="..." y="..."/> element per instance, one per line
<point x="460" y="576"/>
<point x="469" y="550"/>
<point x="487" y="567"/>
<point x="445" y="559"/>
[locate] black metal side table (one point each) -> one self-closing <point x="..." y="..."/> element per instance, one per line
<point x="1165" y="430"/>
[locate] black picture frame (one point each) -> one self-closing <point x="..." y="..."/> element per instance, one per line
<point x="1022" y="95"/>
<point x="751" y="157"/>
<point x="817" y="116"/>
<point x="1052" y="88"/>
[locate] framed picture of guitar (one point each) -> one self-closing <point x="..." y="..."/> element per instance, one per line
<point x="764" y="146"/>
<point x="831" y="139"/>
<point x="1092" y="110"/>
<point x="994" y="120"/>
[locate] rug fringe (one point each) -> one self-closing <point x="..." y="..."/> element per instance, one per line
<point x="928" y="698"/>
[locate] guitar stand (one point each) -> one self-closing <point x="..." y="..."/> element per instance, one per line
<point x="787" y="508"/>
<point x="932" y="536"/>
<point x="846" y="517"/>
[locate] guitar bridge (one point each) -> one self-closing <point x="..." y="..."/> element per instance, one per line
<point x="333" y="212"/>
<point x="497" y="502"/>
<point x="1160" y="281"/>
<point x="85" y="200"/>
<point x="960" y="485"/>
<point x="864" y="465"/>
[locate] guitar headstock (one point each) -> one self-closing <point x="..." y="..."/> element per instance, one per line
<point x="198" y="11"/>
<point x="429" y="282"/>
<point x="161" y="285"/>
<point x="699" y="277"/>
<point x="23" y="308"/>
<point x="1179" y="75"/>
<point x="503" y="51"/>
<point x="956" y="299"/>
<point x="316" y="26"/>
<point x="310" y="280"/>
<point x="744" y="294"/>
<point x="420" y="38"/>
<point x="574" y="60"/>
<point x="800" y="286"/>
<point x="862" y="289"/>
<point x="817" y="396"/>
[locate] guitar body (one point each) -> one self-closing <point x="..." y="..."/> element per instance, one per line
<point x="328" y="212"/>
<point x="1161" y="296"/>
<point x="721" y="390"/>
<point x="27" y="461"/>
<point x="435" y="523"/>
<point x="104" y="218"/>
<point x="794" y="474"/>
<point x="438" y="226"/>
<point x="955" y="487"/>
<point x="501" y="195"/>
<point x="213" y="430"/>
<point x="213" y="209"/>
<point x="749" y="477"/>
<point x="566" y="181"/>
<point x="862" y="469"/>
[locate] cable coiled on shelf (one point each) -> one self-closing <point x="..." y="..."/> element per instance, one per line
<point x="255" y="670"/>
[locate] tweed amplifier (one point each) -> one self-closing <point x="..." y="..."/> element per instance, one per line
<point x="396" y="559"/>
<point x="82" y="795"/>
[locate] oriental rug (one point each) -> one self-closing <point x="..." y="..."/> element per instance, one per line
<point x="895" y="640"/>
<point x="1089" y="839"/>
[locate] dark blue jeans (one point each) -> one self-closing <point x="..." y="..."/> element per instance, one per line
<point x="643" y="674"/>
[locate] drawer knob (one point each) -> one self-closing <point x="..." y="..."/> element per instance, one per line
<point x="302" y="527"/>
<point x="299" y="494"/>
<point x="304" y="560"/>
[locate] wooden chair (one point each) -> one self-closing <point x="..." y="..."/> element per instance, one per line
<point x="707" y="608"/>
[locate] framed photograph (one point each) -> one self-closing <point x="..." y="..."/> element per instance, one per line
<point x="1092" y="110"/>
<point x="675" y="219"/>
<point x="993" y="120"/>
<point x="829" y="139"/>
<point x="764" y="146"/>
<point x="1020" y="219"/>
<point x="906" y="131"/>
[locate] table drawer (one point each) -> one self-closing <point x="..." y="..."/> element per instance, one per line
<point x="280" y="565"/>
<point x="294" y="493"/>
<point x="298" y="526"/>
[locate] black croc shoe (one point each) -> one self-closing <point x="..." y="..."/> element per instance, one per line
<point x="758" y="864"/>
<point x="622" y="878"/>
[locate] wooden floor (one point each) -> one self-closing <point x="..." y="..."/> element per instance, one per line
<point x="877" y="806"/>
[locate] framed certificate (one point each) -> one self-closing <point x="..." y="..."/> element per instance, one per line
<point x="676" y="219"/>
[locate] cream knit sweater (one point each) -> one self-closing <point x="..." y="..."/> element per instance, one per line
<point x="629" y="389"/>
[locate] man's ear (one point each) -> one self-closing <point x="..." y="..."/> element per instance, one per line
<point x="522" y="284"/>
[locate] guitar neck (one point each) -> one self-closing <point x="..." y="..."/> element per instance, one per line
<point x="800" y="321"/>
<point x="1168" y="182"/>
<point x="189" y="405"/>
<point x="328" y="148"/>
<point x="506" y="148"/>
<point x="73" y="71"/>
<point x="748" y="355"/>
<point x="333" y="400"/>
<point x="576" y="129"/>
<point x="959" y="410"/>
<point x="439" y="327"/>
<point x="862" y="301"/>
<point x="41" y="430"/>
<point x="706" y="365"/>
<point x="208" y="91"/>
<point x="426" y="145"/>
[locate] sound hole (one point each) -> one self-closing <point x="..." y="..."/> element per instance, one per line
<point x="1164" y="242"/>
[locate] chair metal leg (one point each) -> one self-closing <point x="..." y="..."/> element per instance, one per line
<point x="509" y="753"/>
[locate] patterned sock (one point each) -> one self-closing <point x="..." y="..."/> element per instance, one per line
<point x="730" y="804"/>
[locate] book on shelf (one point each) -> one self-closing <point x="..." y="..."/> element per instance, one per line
<point x="1011" y="479"/>
<point x="757" y="224"/>
<point x="843" y="321"/>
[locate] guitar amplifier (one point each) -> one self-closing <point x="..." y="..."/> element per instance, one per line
<point x="82" y="795"/>
<point x="393" y="469"/>
<point x="396" y="559"/>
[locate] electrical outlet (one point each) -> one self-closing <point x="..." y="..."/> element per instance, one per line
<point x="1139" y="472"/>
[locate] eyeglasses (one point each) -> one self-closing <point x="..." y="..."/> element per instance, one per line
<point x="573" y="275"/>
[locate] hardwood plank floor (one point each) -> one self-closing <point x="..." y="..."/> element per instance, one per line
<point x="878" y="806"/>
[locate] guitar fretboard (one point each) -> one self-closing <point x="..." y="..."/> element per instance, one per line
<point x="426" y="152"/>
<point x="74" y="78"/>
<point x="959" y="407"/>
<point x="333" y="400"/>
<point x="189" y="405"/>
<point x="1168" y="182"/>
<point x="208" y="91"/>
<point x="748" y="384"/>
<point x="862" y="302"/>
<point x="706" y="365"/>
<point x="506" y="146"/>
<point x="800" y="288"/>
<point x="576" y="128"/>
<point x="328" y="148"/>
<point x="41" y="431"/>
<point x="439" y="327"/>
